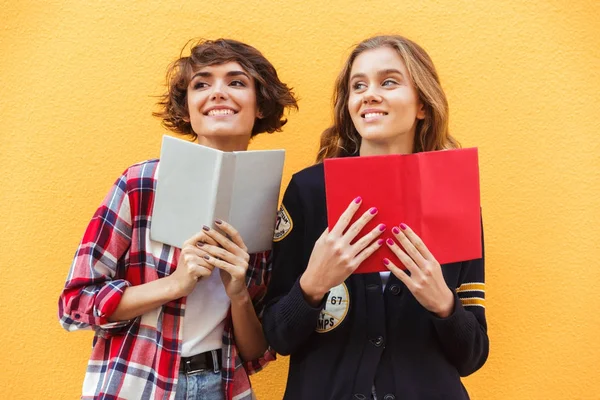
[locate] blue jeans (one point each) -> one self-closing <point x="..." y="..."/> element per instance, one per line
<point x="202" y="385"/>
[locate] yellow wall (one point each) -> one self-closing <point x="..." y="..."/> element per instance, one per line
<point x="77" y="80"/>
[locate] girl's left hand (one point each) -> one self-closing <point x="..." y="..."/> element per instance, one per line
<point x="426" y="281"/>
<point x="230" y="256"/>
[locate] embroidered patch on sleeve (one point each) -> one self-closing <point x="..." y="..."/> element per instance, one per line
<point x="335" y="310"/>
<point x="283" y="225"/>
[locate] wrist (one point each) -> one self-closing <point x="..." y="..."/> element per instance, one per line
<point x="312" y="293"/>
<point x="446" y="308"/>
<point x="173" y="288"/>
<point x="240" y="299"/>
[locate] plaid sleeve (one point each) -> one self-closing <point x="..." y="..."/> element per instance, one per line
<point x="95" y="282"/>
<point x="259" y="274"/>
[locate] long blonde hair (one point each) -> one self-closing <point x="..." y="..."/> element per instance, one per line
<point x="431" y="133"/>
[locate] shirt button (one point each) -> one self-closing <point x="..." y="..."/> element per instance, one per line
<point x="378" y="341"/>
<point x="389" y="397"/>
<point x="77" y="316"/>
<point x="360" y="396"/>
<point x="395" y="289"/>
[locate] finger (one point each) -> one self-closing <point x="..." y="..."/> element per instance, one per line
<point x="233" y="270"/>
<point x="409" y="247"/>
<point x="399" y="273"/>
<point x="225" y="242"/>
<point x="222" y="254"/>
<point x="367" y="239"/>
<point x="199" y="237"/>
<point x="417" y="242"/>
<point x="233" y="234"/>
<point x="408" y="262"/>
<point x="366" y="253"/>
<point x="195" y="256"/>
<point x="359" y="224"/>
<point x="346" y="217"/>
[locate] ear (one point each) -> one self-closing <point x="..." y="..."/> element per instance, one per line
<point x="259" y="114"/>
<point x="421" y="111"/>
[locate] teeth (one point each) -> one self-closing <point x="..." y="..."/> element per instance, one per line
<point x="220" y="112"/>
<point x="373" y="115"/>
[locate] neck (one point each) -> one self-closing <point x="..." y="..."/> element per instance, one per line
<point x="376" y="148"/>
<point x="230" y="143"/>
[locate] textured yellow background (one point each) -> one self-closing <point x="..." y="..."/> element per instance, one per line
<point x="77" y="81"/>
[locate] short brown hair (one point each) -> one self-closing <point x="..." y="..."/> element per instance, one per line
<point x="431" y="133"/>
<point x="272" y="95"/>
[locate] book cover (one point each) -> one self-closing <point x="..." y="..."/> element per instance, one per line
<point x="435" y="193"/>
<point x="198" y="184"/>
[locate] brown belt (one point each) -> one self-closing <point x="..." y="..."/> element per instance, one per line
<point x="207" y="361"/>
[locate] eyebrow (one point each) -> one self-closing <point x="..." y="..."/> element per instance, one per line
<point x="206" y="74"/>
<point x="381" y="72"/>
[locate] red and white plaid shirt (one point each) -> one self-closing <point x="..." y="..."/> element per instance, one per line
<point x="139" y="359"/>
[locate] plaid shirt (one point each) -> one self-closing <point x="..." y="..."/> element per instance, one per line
<point x="139" y="359"/>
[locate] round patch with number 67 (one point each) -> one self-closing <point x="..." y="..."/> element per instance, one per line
<point x="335" y="310"/>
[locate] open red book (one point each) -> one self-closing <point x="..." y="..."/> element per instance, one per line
<point x="435" y="193"/>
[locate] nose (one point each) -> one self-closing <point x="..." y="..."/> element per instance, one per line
<point x="219" y="91"/>
<point x="371" y="96"/>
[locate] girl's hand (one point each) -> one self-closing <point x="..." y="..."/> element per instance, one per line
<point x="426" y="281"/>
<point x="191" y="266"/>
<point x="333" y="258"/>
<point x="229" y="255"/>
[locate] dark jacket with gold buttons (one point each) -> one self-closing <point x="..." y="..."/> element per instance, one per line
<point x="361" y="338"/>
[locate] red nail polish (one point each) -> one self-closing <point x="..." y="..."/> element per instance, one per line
<point x="386" y="261"/>
<point x="206" y="228"/>
<point x="358" y="199"/>
<point x="218" y="221"/>
<point x="395" y="230"/>
<point x="403" y="226"/>
<point x="380" y="242"/>
<point x="390" y="241"/>
<point x="382" y="227"/>
<point x="373" y="211"/>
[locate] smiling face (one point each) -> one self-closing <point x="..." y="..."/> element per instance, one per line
<point x="222" y="105"/>
<point x="383" y="102"/>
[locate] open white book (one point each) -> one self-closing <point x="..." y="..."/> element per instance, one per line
<point x="198" y="184"/>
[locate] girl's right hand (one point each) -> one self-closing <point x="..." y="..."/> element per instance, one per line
<point x="191" y="266"/>
<point x="334" y="258"/>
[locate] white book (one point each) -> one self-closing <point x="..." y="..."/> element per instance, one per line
<point x="197" y="184"/>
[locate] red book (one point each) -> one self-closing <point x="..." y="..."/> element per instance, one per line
<point x="435" y="193"/>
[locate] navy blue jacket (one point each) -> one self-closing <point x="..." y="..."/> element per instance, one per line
<point x="360" y="336"/>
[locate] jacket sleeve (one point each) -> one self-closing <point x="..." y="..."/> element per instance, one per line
<point x="463" y="334"/>
<point x="288" y="319"/>
<point x="94" y="285"/>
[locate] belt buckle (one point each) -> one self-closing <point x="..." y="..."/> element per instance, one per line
<point x="189" y="369"/>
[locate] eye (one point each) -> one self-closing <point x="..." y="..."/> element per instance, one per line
<point x="389" y="82"/>
<point x="237" y="83"/>
<point x="199" y="85"/>
<point x="359" y="86"/>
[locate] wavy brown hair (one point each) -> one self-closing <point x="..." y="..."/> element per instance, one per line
<point x="431" y="133"/>
<point x="272" y="95"/>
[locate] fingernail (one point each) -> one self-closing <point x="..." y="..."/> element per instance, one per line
<point x="386" y="261"/>
<point x="218" y="221"/>
<point x="373" y="211"/>
<point x="382" y="227"/>
<point x="199" y="244"/>
<point x="395" y="230"/>
<point x="206" y="228"/>
<point x="403" y="226"/>
<point x="358" y="199"/>
<point x="390" y="241"/>
<point x="206" y="257"/>
<point x="380" y="242"/>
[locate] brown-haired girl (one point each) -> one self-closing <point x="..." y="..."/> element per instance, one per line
<point x="167" y="324"/>
<point x="408" y="335"/>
